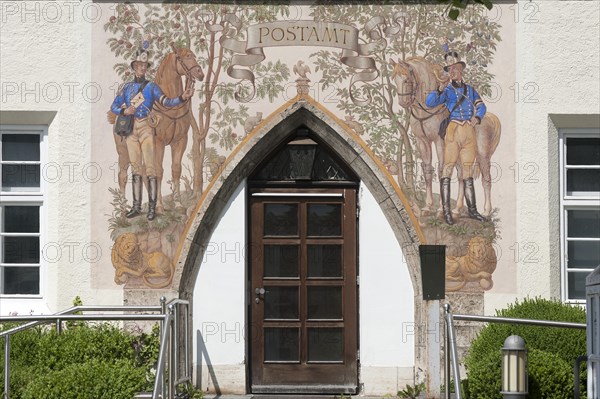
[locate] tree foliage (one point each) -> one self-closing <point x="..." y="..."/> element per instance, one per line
<point x="454" y="6"/>
<point x="422" y="26"/>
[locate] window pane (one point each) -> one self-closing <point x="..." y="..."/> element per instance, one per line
<point x="577" y="285"/>
<point x="21" y="219"/>
<point x="584" y="254"/>
<point x="324" y="302"/>
<point x="587" y="180"/>
<point x="325" y="344"/>
<point x="282" y="344"/>
<point x="583" y="151"/>
<point x="327" y="169"/>
<point x="20" y="147"/>
<point x="302" y="162"/>
<point x="21" y="250"/>
<point x="324" y="261"/>
<point x="281" y="220"/>
<point x="20" y="177"/>
<point x="281" y="261"/>
<point x="21" y="280"/>
<point x="324" y="220"/>
<point x="583" y="223"/>
<point x="281" y="303"/>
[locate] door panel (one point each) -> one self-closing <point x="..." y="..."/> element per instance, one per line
<point x="303" y="305"/>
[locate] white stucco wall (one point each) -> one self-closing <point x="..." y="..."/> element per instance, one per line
<point x="557" y="54"/>
<point x="386" y="301"/>
<point x="45" y="48"/>
<point x="219" y="309"/>
<point x="386" y="304"/>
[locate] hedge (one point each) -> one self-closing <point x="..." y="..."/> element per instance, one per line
<point x="552" y="351"/>
<point x="45" y="364"/>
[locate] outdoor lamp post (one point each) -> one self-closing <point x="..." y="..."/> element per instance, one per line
<point x="514" y="368"/>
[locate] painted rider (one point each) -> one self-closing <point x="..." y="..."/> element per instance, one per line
<point x="460" y="144"/>
<point x="140" y="143"/>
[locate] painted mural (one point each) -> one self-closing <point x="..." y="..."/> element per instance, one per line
<point x="196" y="80"/>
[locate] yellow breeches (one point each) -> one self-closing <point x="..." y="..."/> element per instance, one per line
<point x="460" y="146"/>
<point x="140" y="147"/>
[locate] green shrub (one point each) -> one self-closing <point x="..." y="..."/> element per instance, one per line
<point x="565" y="342"/>
<point x="40" y="355"/>
<point x="550" y="377"/>
<point x="485" y="377"/>
<point x="552" y="351"/>
<point x="95" y="379"/>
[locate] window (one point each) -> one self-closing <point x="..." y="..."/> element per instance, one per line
<point x="580" y="209"/>
<point x="21" y="210"/>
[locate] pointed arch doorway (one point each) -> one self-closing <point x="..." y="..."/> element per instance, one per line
<point x="303" y="270"/>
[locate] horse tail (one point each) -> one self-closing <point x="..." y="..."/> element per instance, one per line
<point x="111" y="117"/>
<point x="497" y="128"/>
<point x="491" y="127"/>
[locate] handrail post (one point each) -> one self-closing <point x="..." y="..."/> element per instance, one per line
<point x="172" y="350"/>
<point x="58" y="327"/>
<point x="163" y="310"/>
<point x="159" y="381"/>
<point x="175" y="341"/>
<point x="452" y="339"/>
<point x="446" y="354"/>
<point x="6" y="366"/>
<point x="188" y="368"/>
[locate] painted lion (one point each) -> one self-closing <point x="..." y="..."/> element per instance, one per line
<point x="129" y="260"/>
<point x="477" y="265"/>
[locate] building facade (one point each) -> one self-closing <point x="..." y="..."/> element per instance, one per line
<point x="293" y="189"/>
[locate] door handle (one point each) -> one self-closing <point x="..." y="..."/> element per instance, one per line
<point x="260" y="294"/>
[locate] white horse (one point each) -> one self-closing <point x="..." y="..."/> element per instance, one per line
<point x="414" y="79"/>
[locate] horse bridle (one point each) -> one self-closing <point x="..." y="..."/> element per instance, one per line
<point x="414" y="91"/>
<point x="413" y="98"/>
<point x="187" y="69"/>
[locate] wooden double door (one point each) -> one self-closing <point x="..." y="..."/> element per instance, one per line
<point x="303" y="291"/>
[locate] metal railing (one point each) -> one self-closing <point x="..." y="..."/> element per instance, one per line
<point x="168" y="358"/>
<point x="451" y="351"/>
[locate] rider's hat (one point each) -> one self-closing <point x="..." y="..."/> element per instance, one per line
<point x="452" y="58"/>
<point x="141" y="55"/>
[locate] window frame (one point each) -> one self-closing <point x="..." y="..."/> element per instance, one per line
<point x="28" y="198"/>
<point x="572" y="202"/>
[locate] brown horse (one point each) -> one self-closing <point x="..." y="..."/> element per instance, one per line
<point x="174" y="123"/>
<point x="414" y="79"/>
<point x="171" y="124"/>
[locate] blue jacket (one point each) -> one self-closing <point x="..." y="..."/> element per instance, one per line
<point x="151" y="94"/>
<point x="471" y="106"/>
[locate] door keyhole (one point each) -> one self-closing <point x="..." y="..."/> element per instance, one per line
<point x="260" y="294"/>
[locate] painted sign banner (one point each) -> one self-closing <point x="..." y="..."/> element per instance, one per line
<point x="303" y="33"/>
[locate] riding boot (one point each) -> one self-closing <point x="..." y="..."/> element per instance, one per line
<point x="470" y="199"/>
<point x="136" y="208"/>
<point x="445" y="193"/>
<point x="152" y="193"/>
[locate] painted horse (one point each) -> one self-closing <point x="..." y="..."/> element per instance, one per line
<point x="414" y="79"/>
<point x="171" y="125"/>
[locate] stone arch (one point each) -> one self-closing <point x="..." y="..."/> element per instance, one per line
<point x="272" y="132"/>
<point x="259" y="144"/>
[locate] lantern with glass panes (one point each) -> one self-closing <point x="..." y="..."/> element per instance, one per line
<point x="514" y="368"/>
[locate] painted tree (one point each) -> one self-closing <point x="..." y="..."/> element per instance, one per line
<point x="199" y="28"/>
<point x="421" y="27"/>
<point x="454" y="6"/>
